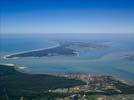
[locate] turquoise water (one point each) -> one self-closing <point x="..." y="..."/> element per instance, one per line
<point x="105" y="61"/>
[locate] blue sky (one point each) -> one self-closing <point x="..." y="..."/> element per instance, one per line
<point x="67" y="16"/>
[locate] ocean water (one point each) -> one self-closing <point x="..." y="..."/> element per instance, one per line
<point x="97" y="62"/>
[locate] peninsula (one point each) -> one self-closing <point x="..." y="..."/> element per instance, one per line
<point x="67" y="48"/>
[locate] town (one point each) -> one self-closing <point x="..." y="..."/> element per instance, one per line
<point x="102" y="85"/>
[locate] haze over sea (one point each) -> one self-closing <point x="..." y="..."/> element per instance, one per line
<point x="99" y="62"/>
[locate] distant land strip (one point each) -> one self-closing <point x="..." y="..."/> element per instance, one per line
<point x="56" y="50"/>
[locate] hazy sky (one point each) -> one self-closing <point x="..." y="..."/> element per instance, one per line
<point x="67" y="16"/>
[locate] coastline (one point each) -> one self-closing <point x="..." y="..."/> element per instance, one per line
<point x="66" y="75"/>
<point x="72" y="84"/>
<point x="6" y="56"/>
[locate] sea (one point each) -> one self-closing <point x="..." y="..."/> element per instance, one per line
<point x="109" y="61"/>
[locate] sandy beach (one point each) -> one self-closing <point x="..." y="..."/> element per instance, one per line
<point x="6" y="56"/>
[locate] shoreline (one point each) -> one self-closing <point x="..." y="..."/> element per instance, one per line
<point x="81" y="83"/>
<point x="6" y="56"/>
<point x="67" y="75"/>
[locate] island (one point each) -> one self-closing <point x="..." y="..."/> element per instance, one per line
<point x="129" y="56"/>
<point x="86" y="46"/>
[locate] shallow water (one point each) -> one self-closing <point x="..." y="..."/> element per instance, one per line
<point x="106" y="61"/>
